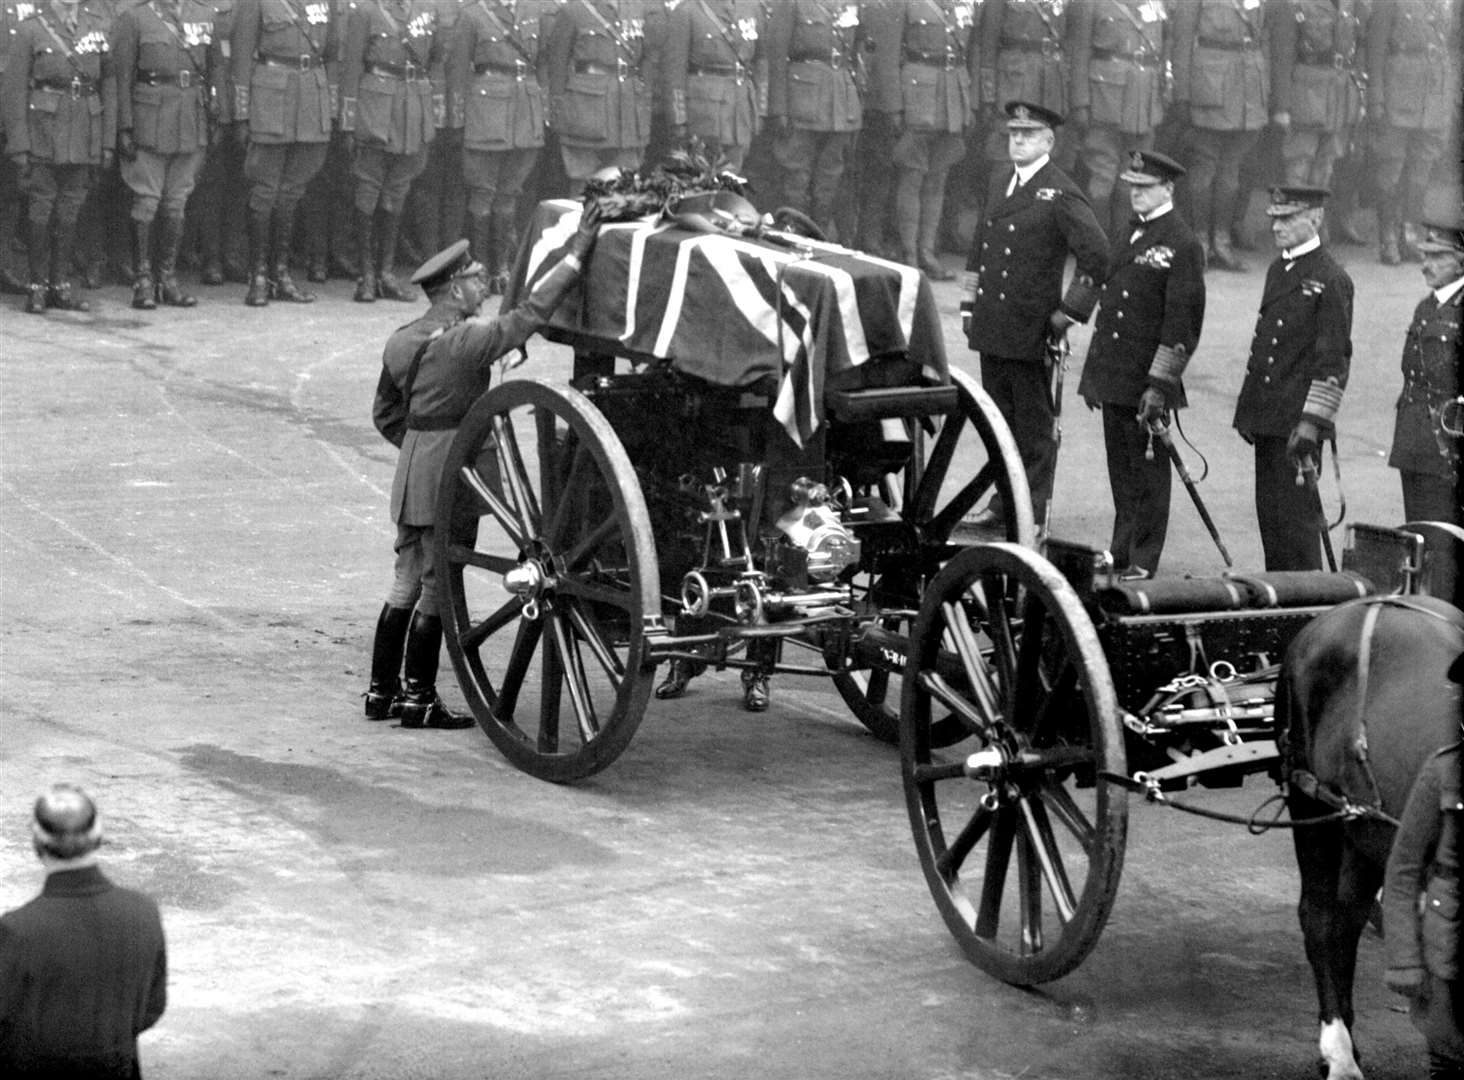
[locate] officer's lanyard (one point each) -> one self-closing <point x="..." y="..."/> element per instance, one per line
<point x="620" y="42"/>
<point x="725" y="31"/>
<point x="175" y="27"/>
<point x="1138" y="23"/>
<point x="304" y="28"/>
<point x="396" y="28"/>
<point x="509" y="29"/>
<point x="1250" y="29"/>
<point x="1041" y="10"/>
<point x="66" y="50"/>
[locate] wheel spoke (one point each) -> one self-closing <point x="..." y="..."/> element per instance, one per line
<point x="937" y="466"/>
<point x="998" y="861"/>
<point x="1067" y="811"/>
<point x="551" y="681"/>
<point x="939" y="770"/>
<point x="590" y="634"/>
<point x="978" y="674"/>
<point x="999" y="629"/>
<point x="515" y="475"/>
<point x="578" y="555"/>
<point x="943" y="522"/>
<point x="480" y="632"/>
<point x="525" y="642"/>
<point x="1050" y="704"/>
<point x="462" y="555"/>
<point x="954" y="857"/>
<point x="1048" y="858"/>
<point x="574" y="677"/>
<point x="507" y="519"/>
<point x="600" y="592"/>
<point x="935" y="684"/>
<point x="1029" y="892"/>
<point x="578" y="476"/>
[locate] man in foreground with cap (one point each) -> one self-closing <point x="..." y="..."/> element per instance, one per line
<point x="1149" y="317"/>
<point x="1013" y="298"/>
<point x="83" y="966"/>
<point x="1425" y="433"/>
<point x="1299" y="360"/>
<point x="433" y="369"/>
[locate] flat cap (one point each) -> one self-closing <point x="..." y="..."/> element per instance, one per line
<point x="1441" y="235"/>
<point x="1151" y="167"/>
<point x="453" y="259"/>
<point x="1294" y="198"/>
<point x="1024" y="114"/>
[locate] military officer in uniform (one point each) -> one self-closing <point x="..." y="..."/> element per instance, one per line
<point x="433" y="369"/>
<point x="216" y="208"/>
<point x="12" y="14"/>
<point x="1118" y="56"/>
<point x="1036" y="216"/>
<point x="1412" y="95"/>
<point x="1222" y="56"/>
<point x="924" y="62"/>
<point x="496" y="98"/>
<point x="1316" y="41"/>
<point x="162" y="50"/>
<point x="437" y="203"/>
<point x="327" y="212"/>
<point x="1425" y="447"/>
<point x="61" y="121"/>
<point x="1150" y="313"/>
<point x="1298" y="366"/>
<point x="814" y="106"/>
<point x="600" y="81"/>
<point x="387" y="112"/>
<point x="714" y="76"/>
<point x="1024" y="57"/>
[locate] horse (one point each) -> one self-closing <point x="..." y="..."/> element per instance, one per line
<point x="1362" y="700"/>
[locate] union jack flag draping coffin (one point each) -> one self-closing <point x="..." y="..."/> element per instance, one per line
<point x="730" y="310"/>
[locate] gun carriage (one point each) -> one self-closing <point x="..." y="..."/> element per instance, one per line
<point x="763" y="459"/>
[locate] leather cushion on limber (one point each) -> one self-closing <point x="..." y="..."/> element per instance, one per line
<point x="1234" y="592"/>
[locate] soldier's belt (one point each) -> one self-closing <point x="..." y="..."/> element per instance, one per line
<point x="1046" y="47"/>
<point x="1141" y="59"/>
<point x="181" y="79"/>
<point x="1324" y="60"/>
<point x="721" y="70"/>
<point x="405" y="72"/>
<point x="75" y="87"/>
<point x="1248" y="45"/>
<point x="516" y="70"/>
<point x="945" y="60"/>
<point x="303" y="62"/>
<point x="589" y="67"/>
<point x="833" y="59"/>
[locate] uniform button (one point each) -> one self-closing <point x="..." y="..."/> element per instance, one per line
<point x="1273" y="341"/>
<point x="1125" y="294"/>
<point x="1115" y="335"/>
<point x="1003" y="273"/>
<point x="1270" y="359"/>
<point x="980" y="292"/>
<point x="1120" y="314"/>
<point x="1280" y="322"/>
<point x="1001" y="296"/>
<point x="1266" y="379"/>
<point x="1011" y="228"/>
<point x="1006" y="251"/>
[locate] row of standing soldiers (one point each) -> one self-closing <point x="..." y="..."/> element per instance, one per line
<point x="357" y="110"/>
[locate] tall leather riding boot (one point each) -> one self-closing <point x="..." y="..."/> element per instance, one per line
<point x="1223" y="257"/>
<point x="383" y="696"/>
<point x="480" y="244"/>
<point x="281" y="285"/>
<point x="932" y="202"/>
<point x="142" y="279"/>
<point x="421" y="707"/>
<point x="258" y="294"/>
<point x="1388" y="253"/>
<point x="906" y="192"/>
<point x="505" y="238"/>
<point x="365" y="258"/>
<point x="58" y="293"/>
<point x="38" y="258"/>
<point x="388" y="229"/>
<point x="170" y="235"/>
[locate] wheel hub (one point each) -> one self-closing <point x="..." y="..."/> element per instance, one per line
<point x="527" y="581"/>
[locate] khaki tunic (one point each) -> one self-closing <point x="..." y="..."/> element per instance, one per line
<point x="1118" y="57"/>
<point x="494" y="88"/>
<point x="925" y="64"/>
<point x="1412" y="63"/>
<point x="1222" y="63"/>
<point x="1316" y="43"/>
<point x="386" y="94"/>
<point x="600" y="75"/>
<point x="281" y="83"/>
<point x="1023" y="53"/>
<point x="58" y="108"/>
<point x="813" y="56"/>
<point x="162" y="55"/>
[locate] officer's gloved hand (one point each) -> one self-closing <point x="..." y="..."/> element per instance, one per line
<point x="1093" y="403"/>
<point x="126" y="146"/>
<point x="589" y="229"/>
<point x="1058" y="322"/>
<point x="1303" y="442"/>
<point x="1152" y="407"/>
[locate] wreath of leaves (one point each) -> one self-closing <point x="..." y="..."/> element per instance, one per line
<point x="686" y="171"/>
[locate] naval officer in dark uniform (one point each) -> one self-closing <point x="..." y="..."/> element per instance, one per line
<point x="433" y="369"/>
<point x="1294" y="381"/>
<point x="1013" y="297"/>
<point x="1149" y="318"/>
<point x="1425" y="451"/>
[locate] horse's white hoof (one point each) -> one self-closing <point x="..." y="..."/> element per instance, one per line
<point x="1336" y="1047"/>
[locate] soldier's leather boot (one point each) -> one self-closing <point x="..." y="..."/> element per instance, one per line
<point x="678" y="674"/>
<point x="143" y="297"/>
<point x="505" y="239"/>
<point x="421" y="707"/>
<point x="931" y="205"/>
<point x="258" y="294"/>
<point x="387" y="286"/>
<point x="170" y="236"/>
<point x="1408" y="243"/>
<point x="755" y="692"/>
<point x="38" y="256"/>
<point x="1222" y="257"/>
<point x="1388" y="253"/>
<point x="906" y="192"/>
<point x="365" y="259"/>
<point x="383" y="696"/>
<point x="59" y="294"/>
<point x="282" y="286"/>
<point x="480" y="243"/>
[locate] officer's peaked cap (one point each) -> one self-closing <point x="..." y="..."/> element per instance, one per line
<point x="1151" y="167"/>
<point x="1443" y="234"/>
<point x="1024" y="114"/>
<point x="448" y="262"/>
<point x="1294" y="198"/>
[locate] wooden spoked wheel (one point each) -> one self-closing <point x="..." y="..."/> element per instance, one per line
<point x="1019" y="834"/>
<point x="549" y="578"/>
<point x="969" y="457"/>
